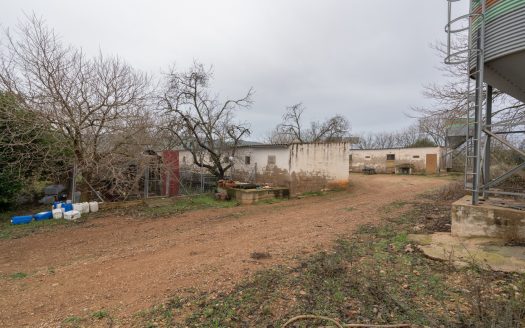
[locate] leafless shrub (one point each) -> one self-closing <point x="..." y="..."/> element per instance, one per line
<point x="260" y="255"/>
<point x="96" y="104"/>
<point x="451" y="191"/>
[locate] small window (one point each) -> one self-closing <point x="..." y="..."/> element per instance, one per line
<point x="415" y="156"/>
<point x="390" y="157"/>
<point x="184" y="159"/>
<point x="367" y="157"/>
<point x="350" y="157"/>
<point x="247" y="160"/>
<point x="271" y="159"/>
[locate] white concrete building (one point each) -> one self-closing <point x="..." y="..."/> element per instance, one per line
<point x="312" y="166"/>
<point x="428" y="160"/>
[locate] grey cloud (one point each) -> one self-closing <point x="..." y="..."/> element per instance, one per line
<point x="364" y="59"/>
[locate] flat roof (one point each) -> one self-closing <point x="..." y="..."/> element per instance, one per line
<point x="395" y="148"/>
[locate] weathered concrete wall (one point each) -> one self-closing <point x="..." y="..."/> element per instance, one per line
<point x="268" y="164"/>
<point x="314" y="165"/>
<point x="300" y="167"/>
<point x="377" y="158"/>
<point x="487" y="221"/>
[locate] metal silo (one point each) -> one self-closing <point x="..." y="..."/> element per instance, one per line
<point x="504" y="43"/>
<point x="494" y="56"/>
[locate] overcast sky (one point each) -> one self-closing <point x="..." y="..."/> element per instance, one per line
<point x="365" y="59"/>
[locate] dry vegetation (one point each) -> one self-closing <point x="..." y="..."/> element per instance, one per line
<point x="376" y="276"/>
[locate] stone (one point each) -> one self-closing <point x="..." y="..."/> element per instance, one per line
<point x="487" y="253"/>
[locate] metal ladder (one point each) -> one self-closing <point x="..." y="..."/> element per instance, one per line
<point x="474" y="145"/>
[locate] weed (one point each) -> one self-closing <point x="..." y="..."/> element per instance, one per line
<point x="451" y="191"/>
<point x="369" y="278"/>
<point x="270" y="201"/>
<point x="100" y="314"/>
<point x="18" y="275"/>
<point x="394" y="206"/>
<point x="179" y="206"/>
<point x="11" y="231"/>
<point x="260" y="255"/>
<point x="312" y="193"/>
<point x="73" y="321"/>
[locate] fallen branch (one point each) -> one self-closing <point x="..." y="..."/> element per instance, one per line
<point x="341" y="325"/>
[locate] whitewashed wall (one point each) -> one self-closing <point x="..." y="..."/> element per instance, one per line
<point x="376" y="158"/>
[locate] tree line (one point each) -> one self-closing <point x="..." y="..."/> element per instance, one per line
<point x="65" y="114"/>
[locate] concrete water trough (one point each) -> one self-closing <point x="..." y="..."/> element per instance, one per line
<point x="251" y="196"/>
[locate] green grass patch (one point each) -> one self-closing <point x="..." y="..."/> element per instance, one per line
<point x="271" y="201"/>
<point x="18" y="275"/>
<point x="312" y="193"/>
<point x="72" y="321"/>
<point x="100" y="314"/>
<point x="11" y="231"/>
<point x="160" y="315"/>
<point x="180" y="205"/>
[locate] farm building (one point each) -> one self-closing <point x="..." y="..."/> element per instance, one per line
<point x="428" y="160"/>
<point x="306" y="167"/>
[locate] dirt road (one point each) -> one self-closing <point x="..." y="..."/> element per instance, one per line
<point x="125" y="265"/>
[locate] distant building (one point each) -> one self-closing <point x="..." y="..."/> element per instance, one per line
<point x="304" y="167"/>
<point x="424" y="160"/>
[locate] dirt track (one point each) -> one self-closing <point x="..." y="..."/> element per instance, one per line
<point x="125" y="265"/>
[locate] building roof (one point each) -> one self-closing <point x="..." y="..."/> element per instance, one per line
<point x="261" y="145"/>
<point x="394" y="148"/>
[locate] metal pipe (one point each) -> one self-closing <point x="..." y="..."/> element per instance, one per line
<point x="146" y="181"/>
<point x="505" y="175"/>
<point x="488" y="122"/>
<point x="480" y="61"/>
<point x="505" y="142"/>
<point x="476" y="167"/>
<point x="507" y="193"/>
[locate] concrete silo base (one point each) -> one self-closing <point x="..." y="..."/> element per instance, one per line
<point x="487" y="220"/>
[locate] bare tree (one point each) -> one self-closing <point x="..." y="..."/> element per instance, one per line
<point x="412" y="136"/>
<point x="292" y="128"/>
<point x="450" y="100"/>
<point x="199" y="121"/>
<point x="88" y="100"/>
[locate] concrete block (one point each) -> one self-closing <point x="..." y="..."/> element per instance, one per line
<point x="485" y="220"/>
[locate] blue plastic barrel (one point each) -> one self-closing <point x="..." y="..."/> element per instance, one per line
<point x="43" y="216"/>
<point x="55" y="204"/>
<point x="67" y="207"/>
<point x="22" y="219"/>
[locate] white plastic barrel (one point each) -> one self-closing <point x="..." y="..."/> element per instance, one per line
<point x="72" y="215"/>
<point x="77" y="207"/>
<point x="57" y="213"/>
<point x="93" y="207"/>
<point x="85" y="208"/>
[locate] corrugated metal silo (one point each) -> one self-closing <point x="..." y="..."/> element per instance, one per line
<point x="504" y="48"/>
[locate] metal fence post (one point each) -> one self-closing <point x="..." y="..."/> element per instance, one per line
<point x="146" y="181"/>
<point x="168" y="183"/>
<point x="74" y="182"/>
<point x="202" y="181"/>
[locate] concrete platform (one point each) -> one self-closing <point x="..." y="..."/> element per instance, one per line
<point x="251" y="196"/>
<point x="488" y="253"/>
<point x="493" y="218"/>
